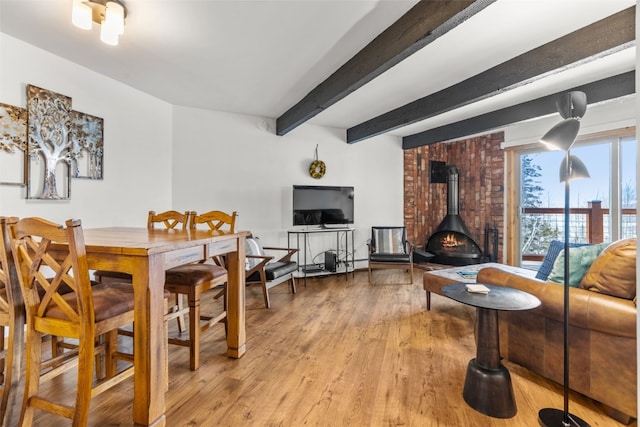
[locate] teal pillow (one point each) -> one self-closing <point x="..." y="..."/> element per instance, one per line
<point x="580" y="259"/>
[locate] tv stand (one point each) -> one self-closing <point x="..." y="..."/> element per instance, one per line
<point x="311" y="270"/>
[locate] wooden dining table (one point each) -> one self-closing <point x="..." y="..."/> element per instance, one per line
<point x="146" y="254"/>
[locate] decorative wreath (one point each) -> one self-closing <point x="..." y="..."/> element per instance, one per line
<point x="317" y="168"/>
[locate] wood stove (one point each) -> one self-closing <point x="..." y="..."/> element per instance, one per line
<point x="451" y="243"/>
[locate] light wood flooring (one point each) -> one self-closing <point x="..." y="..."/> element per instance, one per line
<point x="339" y="353"/>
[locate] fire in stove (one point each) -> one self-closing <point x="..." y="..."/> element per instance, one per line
<point x="449" y="243"/>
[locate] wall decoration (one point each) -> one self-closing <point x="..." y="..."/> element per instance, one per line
<point x="49" y="144"/>
<point x="43" y="146"/>
<point x="317" y="168"/>
<point x="13" y="145"/>
<point x="87" y="150"/>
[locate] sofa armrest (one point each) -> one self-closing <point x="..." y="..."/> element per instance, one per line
<point x="587" y="309"/>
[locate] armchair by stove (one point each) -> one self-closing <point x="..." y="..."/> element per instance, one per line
<point x="389" y="248"/>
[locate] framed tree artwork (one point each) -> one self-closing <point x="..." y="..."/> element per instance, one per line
<point x="50" y="144"/>
<point x="87" y="150"/>
<point x="45" y="145"/>
<point x="13" y="145"/>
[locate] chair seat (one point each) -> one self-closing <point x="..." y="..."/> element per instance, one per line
<point x="382" y="257"/>
<point x="109" y="300"/>
<point x="194" y="274"/>
<point x="274" y="270"/>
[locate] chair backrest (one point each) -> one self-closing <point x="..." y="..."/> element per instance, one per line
<point x="170" y="220"/>
<point x="389" y="240"/>
<point x="9" y="283"/>
<point x="253" y="248"/>
<point x="216" y="220"/>
<point x="53" y="272"/>
<point x="11" y="316"/>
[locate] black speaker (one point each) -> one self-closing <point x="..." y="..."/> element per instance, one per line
<point x="330" y="261"/>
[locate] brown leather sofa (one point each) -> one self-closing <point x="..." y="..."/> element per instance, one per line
<point x="602" y="331"/>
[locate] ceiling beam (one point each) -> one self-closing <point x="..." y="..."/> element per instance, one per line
<point x="597" y="40"/>
<point x="421" y="25"/>
<point x="601" y="90"/>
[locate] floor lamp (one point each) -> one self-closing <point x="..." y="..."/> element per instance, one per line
<point x="571" y="107"/>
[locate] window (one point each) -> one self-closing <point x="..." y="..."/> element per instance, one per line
<point x="603" y="207"/>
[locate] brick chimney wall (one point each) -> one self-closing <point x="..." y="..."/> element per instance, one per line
<point x="480" y="163"/>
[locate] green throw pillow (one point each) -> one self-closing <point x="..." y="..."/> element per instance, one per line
<point x="580" y="259"/>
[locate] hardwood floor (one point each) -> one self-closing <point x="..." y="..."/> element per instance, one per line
<point x="339" y="354"/>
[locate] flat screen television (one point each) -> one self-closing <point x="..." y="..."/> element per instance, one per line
<point x="322" y="205"/>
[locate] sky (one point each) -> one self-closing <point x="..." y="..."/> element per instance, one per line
<point x="597" y="159"/>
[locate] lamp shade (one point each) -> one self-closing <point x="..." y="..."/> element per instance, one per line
<point x="562" y="136"/>
<point x="114" y="16"/>
<point x="81" y="14"/>
<point x="572" y="105"/>
<point x="577" y="169"/>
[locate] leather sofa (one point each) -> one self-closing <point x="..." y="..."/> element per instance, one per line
<point x="602" y="331"/>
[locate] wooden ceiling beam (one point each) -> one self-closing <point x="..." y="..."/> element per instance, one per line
<point x="421" y="25"/>
<point x="594" y="41"/>
<point x="601" y="90"/>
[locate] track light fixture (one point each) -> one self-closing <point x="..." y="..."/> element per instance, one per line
<point x="109" y="14"/>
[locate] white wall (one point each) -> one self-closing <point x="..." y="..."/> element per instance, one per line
<point x="236" y="162"/>
<point x="137" y="141"/>
<point x="161" y="157"/>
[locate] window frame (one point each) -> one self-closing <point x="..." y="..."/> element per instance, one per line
<point x="614" y="138"/>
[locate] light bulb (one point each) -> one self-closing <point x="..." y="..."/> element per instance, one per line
<point x="81" y="15"/>
<point x="108" y="34"/>
<point x="114" y="16"/>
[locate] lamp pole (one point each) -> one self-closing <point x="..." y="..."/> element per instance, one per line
<point x="563" y="136"/>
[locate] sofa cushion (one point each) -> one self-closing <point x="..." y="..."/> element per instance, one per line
<point x="550" y="258"/>
<point x="274" y="270"/>
<point x="580" y="260"/>
<point x="614" y="271"/>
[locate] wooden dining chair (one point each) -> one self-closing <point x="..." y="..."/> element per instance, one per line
<point x="50" y="257"/>
<point x="193" y="280"/>
<point x="12" y="321"/>
<point x="190" y="280"/>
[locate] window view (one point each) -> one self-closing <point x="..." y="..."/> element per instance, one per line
<point x="603" y="207"/>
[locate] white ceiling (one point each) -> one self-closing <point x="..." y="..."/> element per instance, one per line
<point x="261" y="57"/>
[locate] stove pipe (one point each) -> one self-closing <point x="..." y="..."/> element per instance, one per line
<point x="452" y="221"/>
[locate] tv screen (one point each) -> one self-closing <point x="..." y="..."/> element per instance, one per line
<point x="320" y="205"/>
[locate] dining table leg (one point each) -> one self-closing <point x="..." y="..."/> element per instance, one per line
<point x="236" y="333"/>
<point x="149" y="348"/>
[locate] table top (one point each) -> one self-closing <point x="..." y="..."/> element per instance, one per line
<point x="498" y="298"/>
<point x="134" y="240"/>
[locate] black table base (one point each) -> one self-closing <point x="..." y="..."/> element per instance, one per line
<point x="489" y="391"/>
<point x="487" y="386"/>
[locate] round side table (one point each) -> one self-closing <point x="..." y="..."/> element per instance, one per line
<point x="487" y="385"/>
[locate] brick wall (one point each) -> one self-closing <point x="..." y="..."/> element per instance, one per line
<point x="480" y="163"/>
